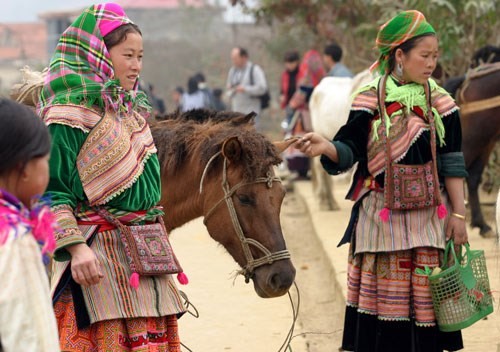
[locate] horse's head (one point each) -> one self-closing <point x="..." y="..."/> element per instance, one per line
<point x="242" y="212"/>
<point x="218" y="166"/>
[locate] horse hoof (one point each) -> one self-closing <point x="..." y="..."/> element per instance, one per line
<point x="325" y="207"/>
<point x="487" y="233"/>
<point x="335" y="207"/>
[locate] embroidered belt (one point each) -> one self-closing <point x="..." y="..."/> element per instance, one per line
<point x="93" y="218"/>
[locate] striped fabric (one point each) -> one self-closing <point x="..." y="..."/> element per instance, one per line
<point x="404" y="230"/>
<point x="81" y="71"/>
<point x="386" y="285"/>
<point x="396" y="31"/>
<point x="405" y="130"/>
<point x="113" y="297"/>
<point x="113" y="156"/>
<point x="366" y="99"/>
<point x="73" y="116"/>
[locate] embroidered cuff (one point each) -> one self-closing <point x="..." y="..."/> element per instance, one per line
<point x="69" y="234"/>
<point x="452" y="165"/>
<point x="346" y="159"/>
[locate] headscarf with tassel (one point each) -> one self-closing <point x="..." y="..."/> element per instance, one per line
<point x="81" y="71"/>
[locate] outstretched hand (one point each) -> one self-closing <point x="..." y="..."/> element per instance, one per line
<point x="313" y="144"/>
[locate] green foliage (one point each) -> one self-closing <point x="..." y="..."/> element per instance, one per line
<point x="463" y="26"/>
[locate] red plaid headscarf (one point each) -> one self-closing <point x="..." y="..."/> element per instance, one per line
<point x="402" y="27"/>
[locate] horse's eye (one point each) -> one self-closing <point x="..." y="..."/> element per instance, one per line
<point x="245" y="200"/>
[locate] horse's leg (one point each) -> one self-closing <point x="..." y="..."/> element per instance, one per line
<point x="333" y="203"/>
<point x="477" y="220"/>
<point x="322" y="186"/>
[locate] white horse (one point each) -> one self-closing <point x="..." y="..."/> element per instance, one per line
<point x="329" y="107"/>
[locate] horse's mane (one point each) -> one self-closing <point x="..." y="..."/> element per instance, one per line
<point x="202" y="132"/>
<point x="486" y="54"/>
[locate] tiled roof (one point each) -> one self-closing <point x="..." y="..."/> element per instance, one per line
<point x="23" y="41"/>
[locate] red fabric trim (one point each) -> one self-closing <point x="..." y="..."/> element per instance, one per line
<point x="393" y="107"/>
<point x="285" y="82"/>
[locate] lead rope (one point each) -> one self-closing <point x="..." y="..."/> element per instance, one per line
<point x="285" y="346"/>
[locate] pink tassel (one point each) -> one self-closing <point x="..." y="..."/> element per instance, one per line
<point x="384" y="214"/>
<point x="50" y="244"/>
<point x="182" y="278"/>
<point x="442" y="211"/>
<point x="134" y="280"/>
<point x="44" y="224"/>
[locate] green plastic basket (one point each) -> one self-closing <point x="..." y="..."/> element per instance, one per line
<point x="461" y="291"/>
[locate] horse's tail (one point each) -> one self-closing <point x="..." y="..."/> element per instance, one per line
<point x="28" y="92"/>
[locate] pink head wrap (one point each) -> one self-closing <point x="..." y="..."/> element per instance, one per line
<point x="111" y="16"/>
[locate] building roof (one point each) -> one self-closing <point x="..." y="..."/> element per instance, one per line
<point x="159" y="4"/>
<point x="23" y="41"/>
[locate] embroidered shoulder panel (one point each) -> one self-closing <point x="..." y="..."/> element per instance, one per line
<point x="113" y="156"/>
<point x="366" y="101"/>
<point x="444" y="103"/>
<point x="74" y="116"/>
<point x="405" y="130"/>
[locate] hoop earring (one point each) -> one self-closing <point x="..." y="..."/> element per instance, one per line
<point x="399" y="70"/>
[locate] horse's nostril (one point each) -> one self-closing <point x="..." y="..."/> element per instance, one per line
<point x="281" y="281"/>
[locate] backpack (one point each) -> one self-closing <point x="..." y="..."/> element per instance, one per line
<point x="265" y="99"/>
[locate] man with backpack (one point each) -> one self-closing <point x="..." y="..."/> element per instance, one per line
<point x="246" y="84"/>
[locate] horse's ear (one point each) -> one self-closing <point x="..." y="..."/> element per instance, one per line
<point x="281" y="146"/>
<point x="249" y="117"/>
<point x="231" y="149"/>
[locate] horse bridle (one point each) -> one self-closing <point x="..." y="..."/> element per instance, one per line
<point x="252" y="263"/>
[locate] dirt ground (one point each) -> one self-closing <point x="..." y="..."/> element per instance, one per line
<point x="321" y="316"/>
<point x="233" y="318"/>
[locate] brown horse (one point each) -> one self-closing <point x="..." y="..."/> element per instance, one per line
<point x="479" y="99"/>
<point x="217" y="166"/>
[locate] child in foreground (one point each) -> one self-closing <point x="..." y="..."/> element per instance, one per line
<point x="27" y="321"/>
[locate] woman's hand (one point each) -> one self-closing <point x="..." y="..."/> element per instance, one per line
<point x="313" y="144"/>
<point x="456" y="229"/>
<point x="85" y="267"/>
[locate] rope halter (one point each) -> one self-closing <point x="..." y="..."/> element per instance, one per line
<point x="251" y="262"/>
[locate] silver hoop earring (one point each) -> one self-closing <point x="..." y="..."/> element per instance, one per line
<point x="399" y="70"/>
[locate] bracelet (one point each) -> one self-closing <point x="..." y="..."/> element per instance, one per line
<point x="459" y="216"/>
